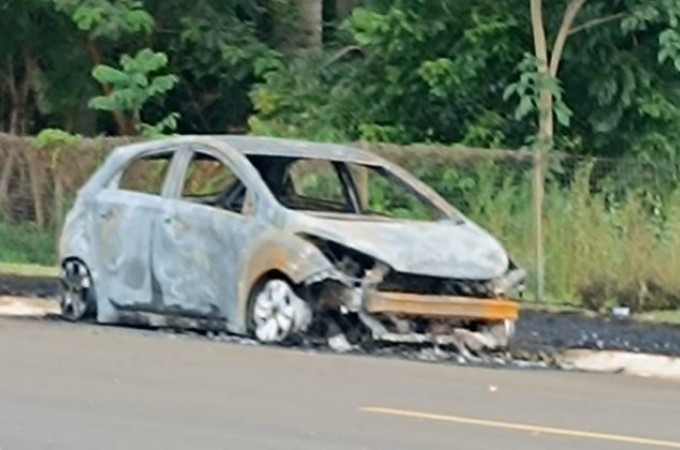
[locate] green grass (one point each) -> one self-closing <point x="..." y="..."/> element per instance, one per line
<point x="608" y="241"/>
<point x="26" y="244"/>
<point x="549" y="307"/>
<point x="28" y="270"/>
<point x="668" y="317"/>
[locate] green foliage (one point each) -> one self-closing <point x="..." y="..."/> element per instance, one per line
<point x="448" y="72"/>
<point x="133" y="86"/>
<point x="399" y="71"/>
<point x="423" y="71"/>
<point x="104" y="18"/>
<point x="528" y="90"/>
<point x="297" y="89"/>
<point x="54" y="137"/>
<point x="220" y="48"/>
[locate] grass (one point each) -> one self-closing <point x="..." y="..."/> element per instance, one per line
<point x="549" y="307"/>
<point x="608" y="241"/>
<point x="26" y="244"/>
<point x="667" y="317"/>
<point x="28" y="270"/>
<point x="27" y="251"/>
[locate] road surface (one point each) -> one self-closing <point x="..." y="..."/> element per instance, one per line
<point x="65" y="386"/>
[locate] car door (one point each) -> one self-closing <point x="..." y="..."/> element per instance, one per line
<point x="204" y="229"/>
<point x="124" y="215"/>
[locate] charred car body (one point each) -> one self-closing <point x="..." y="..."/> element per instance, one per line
<point x="278" y="238"/>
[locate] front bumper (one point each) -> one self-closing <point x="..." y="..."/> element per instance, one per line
<point x="436" y="306"/>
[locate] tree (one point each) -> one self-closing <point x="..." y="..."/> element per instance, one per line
<point x="31" y="62"/>
<point x="132" y="86"/>
<point x="634" y="17"/>
<point x="399" y="70"/>
<point x="403" y="71"/>
<point x="102" y="19"/>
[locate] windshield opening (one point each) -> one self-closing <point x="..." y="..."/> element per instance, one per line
<point x="320" y="185"/>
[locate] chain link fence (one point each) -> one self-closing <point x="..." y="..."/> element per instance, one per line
<point x="611" y="227"/>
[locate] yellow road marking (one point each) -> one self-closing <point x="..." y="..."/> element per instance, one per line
<point x="523" y="427"/>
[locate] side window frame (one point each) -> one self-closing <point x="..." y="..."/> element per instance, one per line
<point x="184" y="160"/>
<point x="114" y="183"/>
<point x="339" y="170"/>
<point x="409" y="188"/>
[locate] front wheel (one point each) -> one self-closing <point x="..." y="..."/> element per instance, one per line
<point x="276" y="312"/>
<point x="77" y="299"/>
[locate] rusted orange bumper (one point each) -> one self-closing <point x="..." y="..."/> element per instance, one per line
<point x="435" y="306"/>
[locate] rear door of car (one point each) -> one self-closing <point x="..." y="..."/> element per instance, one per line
<point x="125" y="213"/>
<point x="202" y="236"/>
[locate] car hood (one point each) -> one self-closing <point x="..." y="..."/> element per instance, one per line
<point x="442" y="249"/>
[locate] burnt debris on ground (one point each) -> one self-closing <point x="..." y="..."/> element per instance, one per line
<point x="29" y="286"/>
<point x="548" y="331"/>
<point x="539" y="335"/>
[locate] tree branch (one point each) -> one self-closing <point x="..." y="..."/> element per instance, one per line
<point x="342" y="53"/>
<point x="570" y="14"/>
<point x="595" y="22"/>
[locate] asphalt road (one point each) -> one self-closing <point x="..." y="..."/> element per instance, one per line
<point x="74" y="387"/>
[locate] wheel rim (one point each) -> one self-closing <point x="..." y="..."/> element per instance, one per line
<point x="75" y="283"/>
<point x="273" y="312"/>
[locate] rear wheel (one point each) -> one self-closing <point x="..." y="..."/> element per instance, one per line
<point x="77" y="299"/>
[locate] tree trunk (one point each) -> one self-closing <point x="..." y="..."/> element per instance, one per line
<point x="297" y="25"/>
<point x="310" y="26"/>
<point x="21" y="82"/>
<point x="84" y="120"/>
<point x="545" y="115"/>
<point x="568" y="19"/>
<point x="14" y="96"/>
<point x="5" y="176"/>
<point x="344" y="8"/>
<point x="35" y="180"/>
<point x="545" y="135"/>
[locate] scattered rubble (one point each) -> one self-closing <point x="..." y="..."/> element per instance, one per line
<point x="554" y="332"/>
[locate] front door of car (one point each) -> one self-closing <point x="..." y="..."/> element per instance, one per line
<point x="201" y="236"/>
<point x="123" y="217"/>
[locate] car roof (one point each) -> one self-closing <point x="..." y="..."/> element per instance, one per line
<point x="263" y="146"/>
<point x="270" y="146"/>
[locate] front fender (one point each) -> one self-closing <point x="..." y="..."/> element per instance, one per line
<point x="278" y="251"/>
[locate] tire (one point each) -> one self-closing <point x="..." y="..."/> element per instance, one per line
<point x="276" y="313"/>
<point x="77" y="298"/>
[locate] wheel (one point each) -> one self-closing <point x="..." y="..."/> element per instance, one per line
<point x="77" y="300"/>
<point x="276" y="312"/>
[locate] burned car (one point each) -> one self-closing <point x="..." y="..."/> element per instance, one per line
<point x="277" y="239"/>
